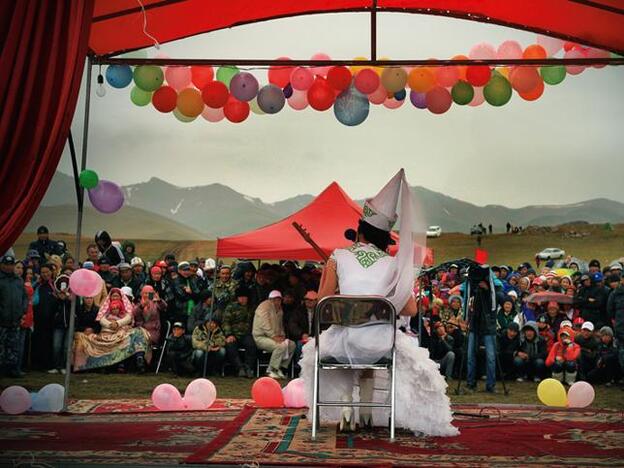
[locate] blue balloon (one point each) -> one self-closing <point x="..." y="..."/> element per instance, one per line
<point x="119" y="76"/>
<point x="271" y="99"/>
<point x="39" y="403"/>
<point x="351" y="107"/>
<point x="400" y="95"/>
<point x="288" y="91"/>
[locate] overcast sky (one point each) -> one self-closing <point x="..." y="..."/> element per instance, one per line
<point x="563" y="148"/>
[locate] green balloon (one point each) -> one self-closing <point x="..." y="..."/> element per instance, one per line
<point x="225" y="74"/>
<point x="148" y="77"/>
<point x="140" y="97"/>
<point x="497" y="91"/>
<point x="88" y="179"/>
<point x="462" y="93"/>
<point x="553" y="75"/>
<point x="181" y="117"/>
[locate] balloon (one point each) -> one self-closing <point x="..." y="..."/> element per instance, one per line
<point x="244" y="86"/>
<point x="202" y="390"/>
<point x="294" y="394"/>
<point x="482" y="51"/>
<point x="551" y="45"/>
<point x="534" y="51"/>
<point x="88" y="179"/>
<point x="255" y="108"/>
<point x="400" y="95"/>
<point x="394" y="79"/>
<point x="181" y="117"/>
<point x="119" y="76"/>
<point x="301" y="78"/>
<point x="351" y="107"/>
<point x="597" y="53"/>
<point x="178" y="77"/>
<point x="580" y="395"/>
<point x="478" y="98"/>
<point x="552" y="393"/>
<point x="320" y="95"/>
<point x="524" y="79"/>
<point x="139" y="97"/>
<point x="215" y="94"/>
<point x="366" y="81"/>
<point x="391" y="103"/>
<point x="498" y="91"/>
<point x="421" y="79"/>
<point x="213" y="115"/>
<point x="288" y="90"/>
<point x="379" y="95"/>
<point x="461" y="68"/>
<point x="192" y="404"/>
<point x="15" y="400"/>
<point x="51" y="397"/>
<point x="298" y="100"/>
<point x="167" y="398"/>
<point x="447" y="76"/>
<point x="356" y="68"/>
<point x="271" y="99"/>
<point x="107" y="197"/>
<point x="554" y="74"/>
<point x="85" y="283"/>
<point x="462" y="93"/>
<point x="478" y="75"/>
<point x="267" y="393"/>
<point x="279" y="75"/>
<point x="225" y="74"/>
<point x="534" y="94"/>
<point x="190" y="102"/>
<point x="201" y="75"/>
<point x="438" y="100"/>
<point x="148" y="77"/>
<point x="419" y="100"/>
<point x="509" y="50"/>
<point x="38" y="404"/>
<point x="236" y="111"/>
<point x="165" y="99"/>
<point x="339" y="78"/>
<point x="574" y="54"/>
<point x="320" y="71"/>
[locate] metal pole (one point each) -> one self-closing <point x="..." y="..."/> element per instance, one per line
<point x="80" y="197"/>
<point x="373" y="35"/>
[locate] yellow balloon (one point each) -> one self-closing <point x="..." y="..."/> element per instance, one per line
<point x="504" y="71"/>
<point x="552" y="393"/>
<point x="356" y="68"/>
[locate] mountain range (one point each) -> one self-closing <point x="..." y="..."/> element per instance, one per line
<point x="157" y="207"/>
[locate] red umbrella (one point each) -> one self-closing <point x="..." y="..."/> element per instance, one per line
<point x="548" y="296"/>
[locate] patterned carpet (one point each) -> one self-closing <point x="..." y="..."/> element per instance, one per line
<point x="235" y="432"/>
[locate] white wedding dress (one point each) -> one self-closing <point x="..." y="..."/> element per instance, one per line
<point x="421" y="401"/>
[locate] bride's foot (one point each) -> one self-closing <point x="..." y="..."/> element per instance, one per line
<point x="366" y="395"/>
<point x="366" y="420"/>
<point x="347" y="419"/>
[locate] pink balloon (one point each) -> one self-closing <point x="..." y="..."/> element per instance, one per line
<point x="478" y="97"/>
<point x="573" y="54"/>
<point x="551" y="45"/>
<point x="366" y="81"/>
<point x="213" y="115"/>
<point x="483" y="51"/>
<point x="447" y="76"/>
<point x="178" y="77"/>
<point x="301" y="78"/>
<point x="298" y="100"/>
<point x="509" y="50"/>
<point x="15" y="400"/>
<point x="392" y="103"/>
<point x="597" y="53"/>
<point x="202" y="390"/>
<point x="193" y="403"/>
<point x="580" y="395"/>
<point x="379" y="96"/>
<point x="439" y="100"/>
<point x="320" y="71"/>
<point x="294" y="394"/>
<point x="267" y="393"/>
<point x="85" y="283"/>
<point x="167" y="398"/>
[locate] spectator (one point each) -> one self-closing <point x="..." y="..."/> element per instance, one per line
<point x="209" y="346"/>
<point x="268" y="333"/>
<point x="592" y="300"/>
<point x="553" y="317"/>
<point x="607" y="368"/>
<point x="594" y="266"/>
<point x="237" y="327"/>
<point x="508" y="345"/>
<point x="224" y="288"/>
<point x="563" y="356"/>
<point x="545" y="332"/>
<point x="126" y="278"/>
<point x="138" y="269"/>
<point x="506" y="313"/>
<point x="128" y="249"/>
<point x="147" y="313"/>
<point x="32" y="260"/>
<point x="93" y="254"/>
<point x="163" y="288"/>
<point x="86" y="315"/>
<point x="179" y="351"/>
<point x="26" y="324"/>
<point x="186" y="292"/>
<point x="589" y="349"/>
<point x="453" y="329"/>
<point x="43" y="245"/>
<point x="60" y="335"/>
<point x="615" y="311"/>
<point x="531" y="354"/>
<point x="104" y="270"/>
<point x="453" y="311"/>
<point x="442" y="350"/>
<point x="209" y="271"/>
<point x="202" y="311"/>
<point x="109" y="250"/>
<point x="13" y="306"/>
<point x="46" y="304"/>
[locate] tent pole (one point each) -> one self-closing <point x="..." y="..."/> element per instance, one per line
<point x="80" y="200"/>
<point x="373" y="31"/>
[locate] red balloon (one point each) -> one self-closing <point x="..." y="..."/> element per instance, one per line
<point x="215" y="94"/>
<point x="478" y="75"/>
<point x="279" y="75"/>
<point x="339" y="78"/>
<point x="438" y="100"/>
<point x="201" y="76"/>
<point x="524" y="79"/>
<point x="320" y="95"/>
<point x="366" y="81"/>
<point x="267" y="393"/>
<point x="236" y="111"/>
<point x="534" y="94"/>
<point x="165" y="98"/>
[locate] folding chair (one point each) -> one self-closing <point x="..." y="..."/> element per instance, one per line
<point x="163" y="347"/>
<point x="353" y="311"/>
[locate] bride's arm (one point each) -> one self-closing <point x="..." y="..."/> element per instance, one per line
<point x="329" y="280"/>
<point x="410" y="308"/>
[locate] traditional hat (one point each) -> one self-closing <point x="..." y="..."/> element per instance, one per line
<point x="381" y="210"/>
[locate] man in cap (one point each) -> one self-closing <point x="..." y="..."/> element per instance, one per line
<point x="615" y="313"/>
<point x="237" y="327"/>
<point x="43" y="244"/>
<point x="138" y="269"/>
<point x="589" y="348"/>
<point x="179" y="350"/>
<point x="225" y="288"/>
<point x="209" y="346"/>
<point x="13" y="305"/>
<point x="186" y="292"/>
<point x="126" y="278"/>
<point x="109" y="249"/>
<point x="594" y="266"/>
<point x="607" y="368"/>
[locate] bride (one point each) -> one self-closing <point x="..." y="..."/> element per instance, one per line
<point x="365" y="268"/>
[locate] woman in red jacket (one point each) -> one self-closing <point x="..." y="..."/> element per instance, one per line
<point x="563" y="355"/>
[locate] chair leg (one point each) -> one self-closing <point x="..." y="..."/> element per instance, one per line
<point x="315" y="391"/>
<point x="205" y="364"/>
<point x="392" y="395"/>
<point x="162" y="353"/>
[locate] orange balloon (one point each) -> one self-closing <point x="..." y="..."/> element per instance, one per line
<point x="534" y="51"/>
<point x="503" y="71"/>
<point x="534" y="94"/>
<point x="421" y="79"/>
<point x="190" y="102"/>
<point x="462" y="68"/>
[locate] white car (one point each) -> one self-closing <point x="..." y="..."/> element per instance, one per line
<point x="434" y="231"/>
<point x="551" y="253"/>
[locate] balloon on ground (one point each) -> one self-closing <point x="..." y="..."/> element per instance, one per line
<point x="15" y="400"/>
<point x="551" y="392"/>
<point x="580" y="395"/>
<point x="267" y="393"/>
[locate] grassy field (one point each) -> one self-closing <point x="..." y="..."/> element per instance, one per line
<point x="110" y="386"/>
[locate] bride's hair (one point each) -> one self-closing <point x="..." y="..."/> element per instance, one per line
<point x="378" y="237"/>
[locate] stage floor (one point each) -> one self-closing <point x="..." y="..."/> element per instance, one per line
<point x="234" y="432"/>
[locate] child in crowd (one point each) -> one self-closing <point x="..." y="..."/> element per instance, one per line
<point x="529" y="359"/>
<point x="179" y="351"/>
<point x="209" y="346"/>
<point x="562" y="357"/>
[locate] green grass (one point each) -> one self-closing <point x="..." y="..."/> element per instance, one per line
<point x="112" y="386"/>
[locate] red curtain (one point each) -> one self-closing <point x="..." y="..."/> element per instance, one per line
<point x="43" y="46"/>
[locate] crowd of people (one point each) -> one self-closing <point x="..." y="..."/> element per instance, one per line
<point x="213" y="318"/>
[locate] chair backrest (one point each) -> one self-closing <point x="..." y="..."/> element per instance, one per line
<point x="353" y="311"/>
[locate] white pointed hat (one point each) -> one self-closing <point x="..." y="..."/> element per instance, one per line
<point x="381" y="210"/>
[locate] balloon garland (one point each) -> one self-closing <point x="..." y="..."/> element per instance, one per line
<point x="232" y="94"/>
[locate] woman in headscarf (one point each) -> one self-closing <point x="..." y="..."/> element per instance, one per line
<point x="147" y="313"/>
<point x="117" y="340"/>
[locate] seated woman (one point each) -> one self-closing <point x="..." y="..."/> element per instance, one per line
<point x="117" y="340"/>
<point x="147" y="313"/>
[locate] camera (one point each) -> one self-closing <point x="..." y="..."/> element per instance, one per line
<point x="478" y="273"/>
<point x="150" y="296"/>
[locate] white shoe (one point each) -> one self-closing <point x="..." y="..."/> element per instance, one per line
<point x="347" y="421"/>
<point x="537" y="379"/>
<point x="63" y="371"/>
<point x="366" y="394"/>
<point x="519" y="379"/>
<point x="53" y="371"/>
<point x="273" y="374"/>
<point x="280" y="373"/>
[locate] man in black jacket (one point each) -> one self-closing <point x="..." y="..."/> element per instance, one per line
<point x="442" y="350"/>
<point x="13" y="304"/>
<point x="186" y="292"/>
<point x="530" y="359"/>
<point x="109" y="250"/>
<point x="615" y="312"/>
<point x="589" y="349"/>
<point x="592" y="301"/>
<point x="44" y="245"/>
<point x="508" y="345"/>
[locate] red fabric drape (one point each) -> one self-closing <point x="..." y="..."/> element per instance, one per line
<point x="43" y="45"/>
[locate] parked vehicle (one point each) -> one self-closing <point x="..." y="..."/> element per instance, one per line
<point x="434" y="231"/>
<point x="551" y="253"/>
<point x="477" y="230"/>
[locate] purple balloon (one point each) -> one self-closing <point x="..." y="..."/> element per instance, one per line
<point x="418" y="99"/>
<point x="244" y="86"/>
<point x="288" y="91"/>
<point x="107" y="197"/>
